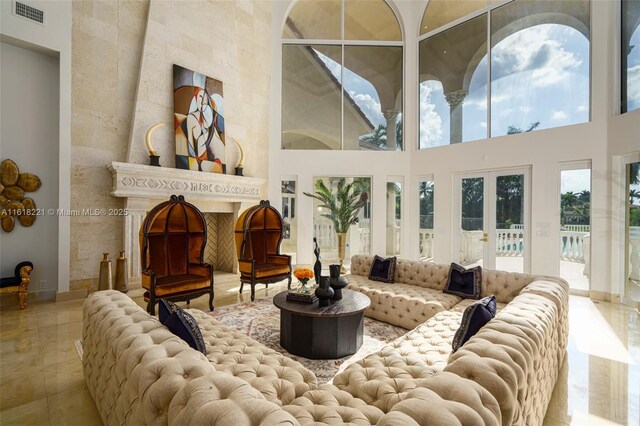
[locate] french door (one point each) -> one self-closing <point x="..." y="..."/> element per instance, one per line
<point x="491" y="219"/>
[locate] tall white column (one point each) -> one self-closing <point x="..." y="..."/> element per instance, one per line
<point x="391" y="116"/>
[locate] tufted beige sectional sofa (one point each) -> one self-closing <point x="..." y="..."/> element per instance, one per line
<point x="138" y="372"/>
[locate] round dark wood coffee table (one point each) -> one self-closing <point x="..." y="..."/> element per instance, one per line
<point x="330" y="332"/>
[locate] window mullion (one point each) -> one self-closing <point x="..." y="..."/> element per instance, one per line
<point x="489" y="75"/>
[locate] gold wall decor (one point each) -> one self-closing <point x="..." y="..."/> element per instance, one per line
<point x="13" y="203"/>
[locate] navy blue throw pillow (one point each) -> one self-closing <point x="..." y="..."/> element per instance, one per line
<point x="165" y="310"/>
<point x="383" y="269"/>
<point x="464" y="282"/>
<point x="475" y="316"/>
<point x="182" y="324"/>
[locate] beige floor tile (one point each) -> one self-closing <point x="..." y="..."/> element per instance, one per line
<point x="73" y="407"/>
<point x="34" y="413"/>
<point x="21" y="388"/>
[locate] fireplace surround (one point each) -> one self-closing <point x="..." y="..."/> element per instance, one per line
<point x="221" y="198"/>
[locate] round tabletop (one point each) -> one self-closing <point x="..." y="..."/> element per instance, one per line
<point x="351" y="303"/>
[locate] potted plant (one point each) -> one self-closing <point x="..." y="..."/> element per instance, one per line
<point x="343" y="207"/>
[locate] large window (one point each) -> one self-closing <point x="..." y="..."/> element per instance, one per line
<point x="344" y="90"/>
<point x="425" y="214"/>
<point x="506" y="69"/>
<point x="630" y="55"/>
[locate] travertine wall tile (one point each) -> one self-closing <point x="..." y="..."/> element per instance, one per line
<point x="123" y="53"/>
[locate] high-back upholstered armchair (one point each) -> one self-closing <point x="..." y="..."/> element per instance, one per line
<point x="258" y="235"/>
<point x="172" y="241"/>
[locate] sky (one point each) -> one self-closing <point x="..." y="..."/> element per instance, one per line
<point x="633" y="72"/>
<point x="538" y="74"/>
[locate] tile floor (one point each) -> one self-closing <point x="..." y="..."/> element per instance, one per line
<point x="41" y="375"/>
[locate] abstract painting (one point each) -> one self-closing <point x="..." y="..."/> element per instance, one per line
<point x="198" y="121"/>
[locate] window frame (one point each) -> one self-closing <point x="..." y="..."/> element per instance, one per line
<point x="342" y="42"/>
<point x="488" y="9"/>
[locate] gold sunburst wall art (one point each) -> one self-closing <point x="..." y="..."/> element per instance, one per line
<point x="16" y="206"/>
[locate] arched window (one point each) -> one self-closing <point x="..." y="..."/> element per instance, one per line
<point x="500" y="70"/>
<point x="630" y="55"/>
<point x="342" y="67"/>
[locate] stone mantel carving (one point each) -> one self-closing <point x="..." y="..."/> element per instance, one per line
<point x="142" y="181"/>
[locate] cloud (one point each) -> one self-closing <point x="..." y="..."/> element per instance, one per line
<point x="483" y="124"/>
<point x="581" y="108"/>
<point x="524" y="109"/>
<point x="370" y="106"/>
<point x="633" y="84"/>
<point x="559" y="115"/>
<point x="537" y="50"/>
<point x="430" y="121"/>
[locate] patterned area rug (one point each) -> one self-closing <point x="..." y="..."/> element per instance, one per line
<point x="260" y="320"/>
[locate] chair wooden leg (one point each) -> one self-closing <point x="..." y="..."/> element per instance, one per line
<point x="241" y="285"/>
<point x="22" y="297"/>
<point x="289" y="284"/>
<point x="188" y="302"/>
<point x="211" y="300"/>
<point x="151" y="306"/>
<point x="253" y="292"/>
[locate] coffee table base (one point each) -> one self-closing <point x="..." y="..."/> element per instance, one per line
<point x="321" y="337"/>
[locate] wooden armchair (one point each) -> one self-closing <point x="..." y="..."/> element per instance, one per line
<point x="258" y="235"/>
<point x="19" y="283"/>
<point x="172" y="241"/>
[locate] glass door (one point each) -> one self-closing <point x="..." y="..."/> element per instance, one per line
<point x="632" y="273"/>
<point x="493" y="217"/>
<point x="575" y="225"/>
<point x="472" y="221"/>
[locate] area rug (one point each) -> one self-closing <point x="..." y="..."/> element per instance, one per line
<point x="260" y="320"/>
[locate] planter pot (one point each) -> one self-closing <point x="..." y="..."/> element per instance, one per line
<point x="342" y="243"/>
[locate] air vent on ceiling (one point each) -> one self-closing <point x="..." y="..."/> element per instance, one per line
<point x="28" y="12"/>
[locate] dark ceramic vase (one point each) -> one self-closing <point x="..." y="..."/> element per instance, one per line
<point x="336" y="281"/>
<point x="324" y="292"/>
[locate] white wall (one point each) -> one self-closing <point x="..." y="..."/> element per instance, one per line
<point x="543" y="151"/>
<point x="54" y="36"/>
<point x="29" y="121"/>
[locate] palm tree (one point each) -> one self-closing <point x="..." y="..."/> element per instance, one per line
<point x="378" y="137"/>
<point x="344" y="205"/>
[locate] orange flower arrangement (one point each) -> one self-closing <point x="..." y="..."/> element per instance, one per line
<point x="303" y="275"/>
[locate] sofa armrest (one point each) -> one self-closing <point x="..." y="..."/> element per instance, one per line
<point x="445" y="399"/>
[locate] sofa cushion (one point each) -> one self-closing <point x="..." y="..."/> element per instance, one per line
<point x="278" y="378"/>
<point x="401" y="304"/>
<point x="170" y="285"/>
<point x="504" y="285"/>
<point x="329" y="405"/>
<point x="182" y="324"/>
<point x="473" y="319"/>
<point x="464" y="282"/>
<point x="384" y="377"/>
<point x="464" y="303"/>
<point x="383" y="269"/>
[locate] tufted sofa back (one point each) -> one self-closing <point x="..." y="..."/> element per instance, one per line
<point x="504" y="285"/>
<point x="423" y="274"/>
<point x="138" y="372"/>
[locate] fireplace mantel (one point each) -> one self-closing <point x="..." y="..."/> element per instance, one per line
<point x="159" y="183"/>
<point x="144" y="186"/>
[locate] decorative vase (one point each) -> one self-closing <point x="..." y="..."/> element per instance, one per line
<point x="154" y="160"/>
<point x="303" y="287"/>
<point x="324" y="292"/>
<point x="317" y="267"/>
<point x="104" y="282"/>
<point x="342" y="242"/>
<point x="122" y="279"/>
<point x="336" y="281"/>
<point x="239" y="171"/>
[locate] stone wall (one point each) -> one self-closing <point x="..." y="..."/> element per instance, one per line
<point x="123" y="53"/>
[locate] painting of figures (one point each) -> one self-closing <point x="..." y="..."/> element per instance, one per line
<point x="198" y="121"/>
